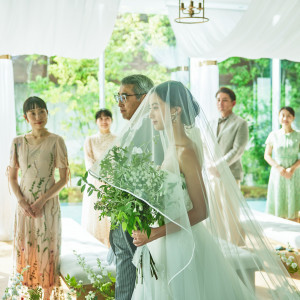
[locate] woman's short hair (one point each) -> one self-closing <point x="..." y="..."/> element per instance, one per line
<point x="227" y="91"/>
<point x="103" y="112"/>
<point x="32" y="103"/>
<point x="289" y="109"/>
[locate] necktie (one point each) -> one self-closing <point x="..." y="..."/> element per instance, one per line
<point x="222" y="120"/>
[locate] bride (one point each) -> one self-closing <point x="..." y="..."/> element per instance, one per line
<point x="193" y="258"/>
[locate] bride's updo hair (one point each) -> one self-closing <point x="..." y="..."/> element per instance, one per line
<point x="176" y="94"/>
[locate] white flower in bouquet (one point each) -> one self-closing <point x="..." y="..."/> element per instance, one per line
<point x="294" y="265"/>
<point x="104" y="272"/>
<point x="91" y="279"/>
<point x="137" y="150"/>
<point x="90" y="296"/>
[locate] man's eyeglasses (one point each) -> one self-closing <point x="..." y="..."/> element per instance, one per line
<point x="123" y="98"/>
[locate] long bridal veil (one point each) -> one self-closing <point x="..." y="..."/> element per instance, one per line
<point x="214" y="247"/>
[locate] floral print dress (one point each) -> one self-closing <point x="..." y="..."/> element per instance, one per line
<point x="38" y="240"/>
<point x="283" y="198"/>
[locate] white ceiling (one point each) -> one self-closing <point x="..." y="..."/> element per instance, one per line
<point x="160" y="6"/>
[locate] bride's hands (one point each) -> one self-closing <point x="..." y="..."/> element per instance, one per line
<point x="140" y="238"/>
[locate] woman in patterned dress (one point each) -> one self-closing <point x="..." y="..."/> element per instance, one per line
<point x="38" y="219"/>
<point x="94" y="147"/>
<point x="281" y="153"/>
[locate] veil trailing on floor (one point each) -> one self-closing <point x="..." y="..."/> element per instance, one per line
<point x="213" y="247"/>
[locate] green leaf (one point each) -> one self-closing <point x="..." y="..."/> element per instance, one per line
<point x="148" y="232"/>
<point x="85" y="175"/>
<point x="124" y="226"/>
<point x="139" y="222"/>
<point x="79" y="182"/>
<point x="82" y="188"/>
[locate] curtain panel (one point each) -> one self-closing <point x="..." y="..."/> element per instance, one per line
<point x="268" y="28"/>
<point x="69" y="28"/>
<point x="8" y="131"/>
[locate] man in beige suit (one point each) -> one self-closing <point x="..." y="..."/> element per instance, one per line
<point x="232" y="135"/>
<point x="231" y="132"/>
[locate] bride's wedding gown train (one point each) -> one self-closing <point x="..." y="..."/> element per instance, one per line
<point x="208" y="276"/>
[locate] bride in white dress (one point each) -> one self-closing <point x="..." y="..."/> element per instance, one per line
<point x="192" y="260"/>
<point x="193" y="281"/>
<point x="193" y="257"/>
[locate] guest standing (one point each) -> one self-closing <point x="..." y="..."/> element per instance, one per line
<point x="38" y="220"/>
<point x="94" y="147"/>
<point x="232" y="135"/>
<point x="231" y="132"/>
<point x="282" y="150"/>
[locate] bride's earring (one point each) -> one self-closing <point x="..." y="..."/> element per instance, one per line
<point x="174" y="116"/>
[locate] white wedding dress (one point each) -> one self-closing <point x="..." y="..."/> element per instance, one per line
<point x="207" y="276"/>
<point x="198" y="262"/>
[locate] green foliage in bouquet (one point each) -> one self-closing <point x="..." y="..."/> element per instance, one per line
<point x="125" y="169"/>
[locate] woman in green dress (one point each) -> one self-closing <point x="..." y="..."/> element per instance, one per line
<point x="38" y="223"/>
<point x="282" y="150"/>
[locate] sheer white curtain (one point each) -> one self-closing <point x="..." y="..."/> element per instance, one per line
<point x="268" y="28"/>
<point x="8" y="131"/>
<point x="174" y="58"/>
<point x="69" y="28"/>
<point x="204" y="80"/>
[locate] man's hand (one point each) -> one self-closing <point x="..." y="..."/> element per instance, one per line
<point x="213" y="171"/>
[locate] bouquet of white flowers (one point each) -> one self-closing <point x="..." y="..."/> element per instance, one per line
<point x="129" y="176"/>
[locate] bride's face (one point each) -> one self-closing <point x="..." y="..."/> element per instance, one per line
<point x="157" y="112"/>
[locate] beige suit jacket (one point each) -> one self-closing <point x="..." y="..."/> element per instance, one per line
<point x="233" y="138"/>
